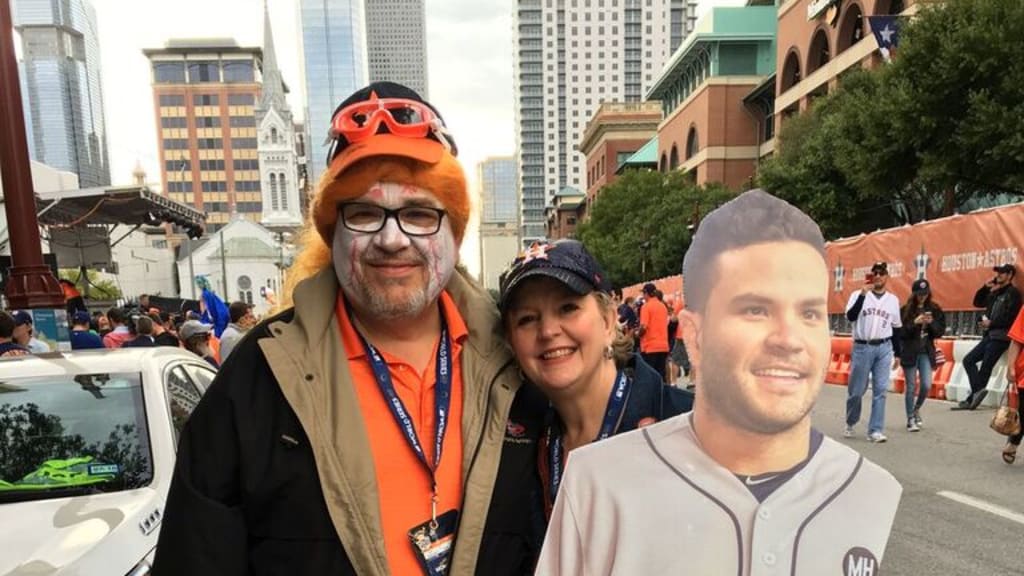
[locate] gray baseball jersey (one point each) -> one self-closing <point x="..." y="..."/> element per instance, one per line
<point x="652" y="502"/>
<point x="878" y="316"/>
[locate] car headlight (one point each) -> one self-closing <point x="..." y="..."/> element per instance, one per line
<point x="145" y="566"/>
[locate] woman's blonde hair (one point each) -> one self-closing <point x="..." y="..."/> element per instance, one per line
<point x="622" y="345"/>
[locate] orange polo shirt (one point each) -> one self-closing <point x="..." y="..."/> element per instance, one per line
<point x="654" y="317"/>
<point x="403" y="483"/>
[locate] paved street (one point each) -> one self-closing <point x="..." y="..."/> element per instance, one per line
<point x="954" y="459"/>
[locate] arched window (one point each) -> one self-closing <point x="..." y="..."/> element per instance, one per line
<point x="692" y="143"/>
<point x="851" y="28"/>
<point x="245" y="289"/>
<point x="819" y="53"/>
<point x="273" y="135"/>
<point x="284" y="191"/>
<point x="884" y="7"/>
<point x="791" y="71"/>
<point x="673" y="159"/>
<point x="663" y="164"/>
<point x="273" y="193"/>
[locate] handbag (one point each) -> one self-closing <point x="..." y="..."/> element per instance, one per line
<point x="1006" y="420"/>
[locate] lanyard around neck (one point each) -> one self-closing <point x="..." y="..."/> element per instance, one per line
<point x="442" y="401"/>
<point x="609" y="424"/>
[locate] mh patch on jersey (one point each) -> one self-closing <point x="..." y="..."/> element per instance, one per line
<point x="860" y="562"/>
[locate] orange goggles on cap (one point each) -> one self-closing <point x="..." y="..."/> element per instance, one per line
<point x="399" y="116"/>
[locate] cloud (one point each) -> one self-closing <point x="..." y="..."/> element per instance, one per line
<point x="466" y="11"/>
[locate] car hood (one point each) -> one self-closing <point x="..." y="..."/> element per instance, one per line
<point x="77" y="534"/>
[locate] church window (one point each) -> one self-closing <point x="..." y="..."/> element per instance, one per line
<point x="273" y="193"/>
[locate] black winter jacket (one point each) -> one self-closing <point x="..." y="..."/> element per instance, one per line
<point x="914" y="342"/>
<point x="256" y="490"/>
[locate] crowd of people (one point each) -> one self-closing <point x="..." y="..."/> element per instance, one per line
<point x="886" y="332"/>
<point x="136" y="326"/>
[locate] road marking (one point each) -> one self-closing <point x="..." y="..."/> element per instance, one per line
<point x="982" y="505"/>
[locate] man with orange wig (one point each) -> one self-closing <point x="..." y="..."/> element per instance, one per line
<point x="375" y="426"/>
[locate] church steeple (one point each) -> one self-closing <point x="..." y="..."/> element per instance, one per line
<point x="274" y="89"/>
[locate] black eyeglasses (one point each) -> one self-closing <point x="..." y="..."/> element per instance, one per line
<point x="370" y="218"/>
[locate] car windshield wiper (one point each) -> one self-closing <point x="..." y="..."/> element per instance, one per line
<point x="8" y="496"/>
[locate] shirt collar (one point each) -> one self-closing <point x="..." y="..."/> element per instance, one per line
<point x="354" y="346"/>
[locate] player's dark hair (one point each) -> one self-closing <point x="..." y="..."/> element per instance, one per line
<point x="754" y="217"/>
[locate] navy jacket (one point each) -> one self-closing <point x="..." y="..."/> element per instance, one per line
<point x="650" y="398"/>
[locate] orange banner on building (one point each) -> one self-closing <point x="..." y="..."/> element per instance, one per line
<point x="956" y="255"/>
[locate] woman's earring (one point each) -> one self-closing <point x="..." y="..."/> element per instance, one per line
<point x="609" y="352"/>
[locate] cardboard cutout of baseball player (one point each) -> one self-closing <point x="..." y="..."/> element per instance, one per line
<point x="742" y="484"/>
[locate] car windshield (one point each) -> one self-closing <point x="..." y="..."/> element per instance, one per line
<point x="69" y="435"/>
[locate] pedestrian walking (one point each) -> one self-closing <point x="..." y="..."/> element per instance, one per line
<point x="875" y="313"/>
<point x="923" y="322"/>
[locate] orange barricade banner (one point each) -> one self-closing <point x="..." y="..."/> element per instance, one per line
<point x="956" y="255"/>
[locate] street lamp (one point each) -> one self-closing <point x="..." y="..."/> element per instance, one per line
<point x="282" y="238"/>
<point x="645" y="246"/>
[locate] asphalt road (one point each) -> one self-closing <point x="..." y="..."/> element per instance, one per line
<point x="962" y="511"/>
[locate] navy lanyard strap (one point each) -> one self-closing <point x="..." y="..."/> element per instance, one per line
<point x="612" y="415"/>
<point x="442" y="399"/>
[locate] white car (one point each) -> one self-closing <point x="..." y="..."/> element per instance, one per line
<point x="87" y="447"/>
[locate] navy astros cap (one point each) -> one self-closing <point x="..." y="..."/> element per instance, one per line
<point x="564" y="260"/>
<point x="880" y="267"/>
<point x="921" y="287"/>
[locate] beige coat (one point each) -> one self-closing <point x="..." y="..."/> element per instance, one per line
<point x="308" y="360"/>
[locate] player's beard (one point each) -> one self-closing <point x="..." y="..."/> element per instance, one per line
<point x="732" y="395"/>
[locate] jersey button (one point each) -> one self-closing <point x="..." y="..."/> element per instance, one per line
<point x="764" y="514"/>
<point x="769" y="559"/>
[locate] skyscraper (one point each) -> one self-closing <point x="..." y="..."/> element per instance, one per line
<point x="333" y="67"/>
<point x="497" y="180"/>
<point x="572" y="55"/>
<point x="205" y="93"/>
<point x="396" y="42"/>
<point x="61" y="90"/>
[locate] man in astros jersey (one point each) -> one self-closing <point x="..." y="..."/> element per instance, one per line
<point x="875" y="313"/>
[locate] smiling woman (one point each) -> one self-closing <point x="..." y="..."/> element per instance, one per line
<point x="562" y="325"/>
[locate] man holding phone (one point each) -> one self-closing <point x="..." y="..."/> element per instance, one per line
<point x="1001" y="301"/>
<point x="875" y="313"/>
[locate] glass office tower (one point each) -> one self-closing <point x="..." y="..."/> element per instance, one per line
<point x="333" y="66"/>
<point x="61" y="90"/>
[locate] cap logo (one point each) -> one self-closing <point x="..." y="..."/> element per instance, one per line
<point x="536" y="251"/>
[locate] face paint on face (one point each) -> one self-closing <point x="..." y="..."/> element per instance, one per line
<point x="388" y="274"/>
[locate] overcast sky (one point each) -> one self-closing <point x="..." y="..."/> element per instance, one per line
<point x="469" y="52"/>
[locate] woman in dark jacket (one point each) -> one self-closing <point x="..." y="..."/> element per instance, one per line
<point x="562" y="326"/>
<point x="923" y="322"/>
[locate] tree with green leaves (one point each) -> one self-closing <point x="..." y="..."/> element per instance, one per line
<point x="640" y="225"/>
<point x="936" y="131"/>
